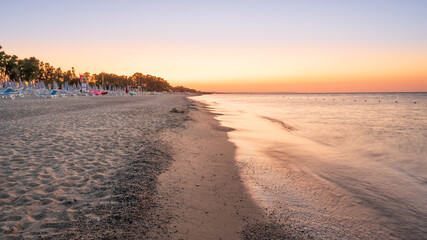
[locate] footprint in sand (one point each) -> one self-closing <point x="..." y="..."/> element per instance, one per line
<point x="4" y="195"/>
<point x="14" y="218"/>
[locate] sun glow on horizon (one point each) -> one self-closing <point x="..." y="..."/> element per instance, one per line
<point x="226" y="68"/>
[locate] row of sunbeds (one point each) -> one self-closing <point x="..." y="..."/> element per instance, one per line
<point x="11" y="90"/>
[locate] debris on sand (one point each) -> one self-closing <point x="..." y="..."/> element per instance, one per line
<point x="174" y="110"/>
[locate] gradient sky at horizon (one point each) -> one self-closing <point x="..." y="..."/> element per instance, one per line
<point x="249" y="46"/>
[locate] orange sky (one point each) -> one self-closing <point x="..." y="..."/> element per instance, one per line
<point x="251" y="68"/>
<point x="376" y="85"/>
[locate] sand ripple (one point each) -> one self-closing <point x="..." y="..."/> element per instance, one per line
<point x="57" y="157"/>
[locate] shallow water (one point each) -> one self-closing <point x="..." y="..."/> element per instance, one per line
<point x="335" y="165"/>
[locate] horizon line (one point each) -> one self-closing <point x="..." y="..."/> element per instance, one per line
<point x="213" y="92"/>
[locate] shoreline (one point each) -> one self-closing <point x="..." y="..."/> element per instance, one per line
<point x="202" y="189"/>
<point x="122" y="167"/>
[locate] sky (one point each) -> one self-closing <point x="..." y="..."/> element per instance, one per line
<point x="230" y="46"/>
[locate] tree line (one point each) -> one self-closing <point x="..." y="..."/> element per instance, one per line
<point x="29" y="69"/>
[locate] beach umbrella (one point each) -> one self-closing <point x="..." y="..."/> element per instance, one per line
<point x="109" y="88"/>
<point x="66" y="85"/>
<point x="55" y="85"/>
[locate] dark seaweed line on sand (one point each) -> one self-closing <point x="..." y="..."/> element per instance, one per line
<point x="132" y="214"/>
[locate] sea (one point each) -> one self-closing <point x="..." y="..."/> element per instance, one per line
<point x="334" y="166"/>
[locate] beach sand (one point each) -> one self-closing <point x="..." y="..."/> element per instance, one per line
<point x="122" y="167"/>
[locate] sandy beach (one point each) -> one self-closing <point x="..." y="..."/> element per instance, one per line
<point x="71" y="166"/>
<point x="122" y="167"/>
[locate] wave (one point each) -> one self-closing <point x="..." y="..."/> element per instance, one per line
<point x="286" y="126"/>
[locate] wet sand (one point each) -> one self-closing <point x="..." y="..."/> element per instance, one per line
<point x="122" y="167"/>
<point x="202" y="190"/>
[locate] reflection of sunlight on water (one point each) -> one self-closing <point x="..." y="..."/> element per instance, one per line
<point x="349" y="169"/>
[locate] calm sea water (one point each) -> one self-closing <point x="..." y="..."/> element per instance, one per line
<point x="334" y="165"/>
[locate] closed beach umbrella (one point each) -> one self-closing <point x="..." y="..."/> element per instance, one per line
<point x="55" y="85"/>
